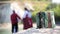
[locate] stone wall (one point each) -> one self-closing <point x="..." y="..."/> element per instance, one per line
<point x="5" y="13"/>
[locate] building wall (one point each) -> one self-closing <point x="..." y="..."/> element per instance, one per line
<point x="5" y="13"/>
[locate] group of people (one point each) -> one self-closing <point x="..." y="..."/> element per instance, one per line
<point x="27" y="21"/>
<point x="43" y="19"/>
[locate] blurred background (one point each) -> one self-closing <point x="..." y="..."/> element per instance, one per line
<point x="6" y="7"/>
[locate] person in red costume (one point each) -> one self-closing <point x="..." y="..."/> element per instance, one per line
<point x="14" y="21"/>
<point x="27" y="20"/>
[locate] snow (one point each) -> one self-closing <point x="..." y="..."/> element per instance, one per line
<point x="33" y="30"/>
<point x="40" y="31"/>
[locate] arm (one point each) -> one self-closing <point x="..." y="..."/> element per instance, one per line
<point x="18" y="16"/>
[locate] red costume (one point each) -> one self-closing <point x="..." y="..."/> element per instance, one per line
<point x="27" y="21"/>
<point x="14" y="21"/>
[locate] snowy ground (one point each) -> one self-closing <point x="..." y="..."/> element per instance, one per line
<point x="40" y="31"/>
<point x="6" y="29"/>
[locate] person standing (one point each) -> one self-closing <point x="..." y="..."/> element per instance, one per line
<point x="49" y="20"/>
<point x="27" y="20"/>
<point x="14" y="21"/>
<point x="38" y="20"/>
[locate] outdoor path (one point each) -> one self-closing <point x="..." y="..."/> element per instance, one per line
<point x="6" y="29"/>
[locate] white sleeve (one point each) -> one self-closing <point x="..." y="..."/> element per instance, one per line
<point x="29" y="14"/>
<point x="25" y="13"/>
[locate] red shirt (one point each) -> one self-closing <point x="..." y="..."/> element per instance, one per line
<point x="14" y="19"/>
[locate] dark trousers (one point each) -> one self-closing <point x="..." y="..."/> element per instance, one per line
<point x="14" y="26"/>
<point x="40" y="25"/>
